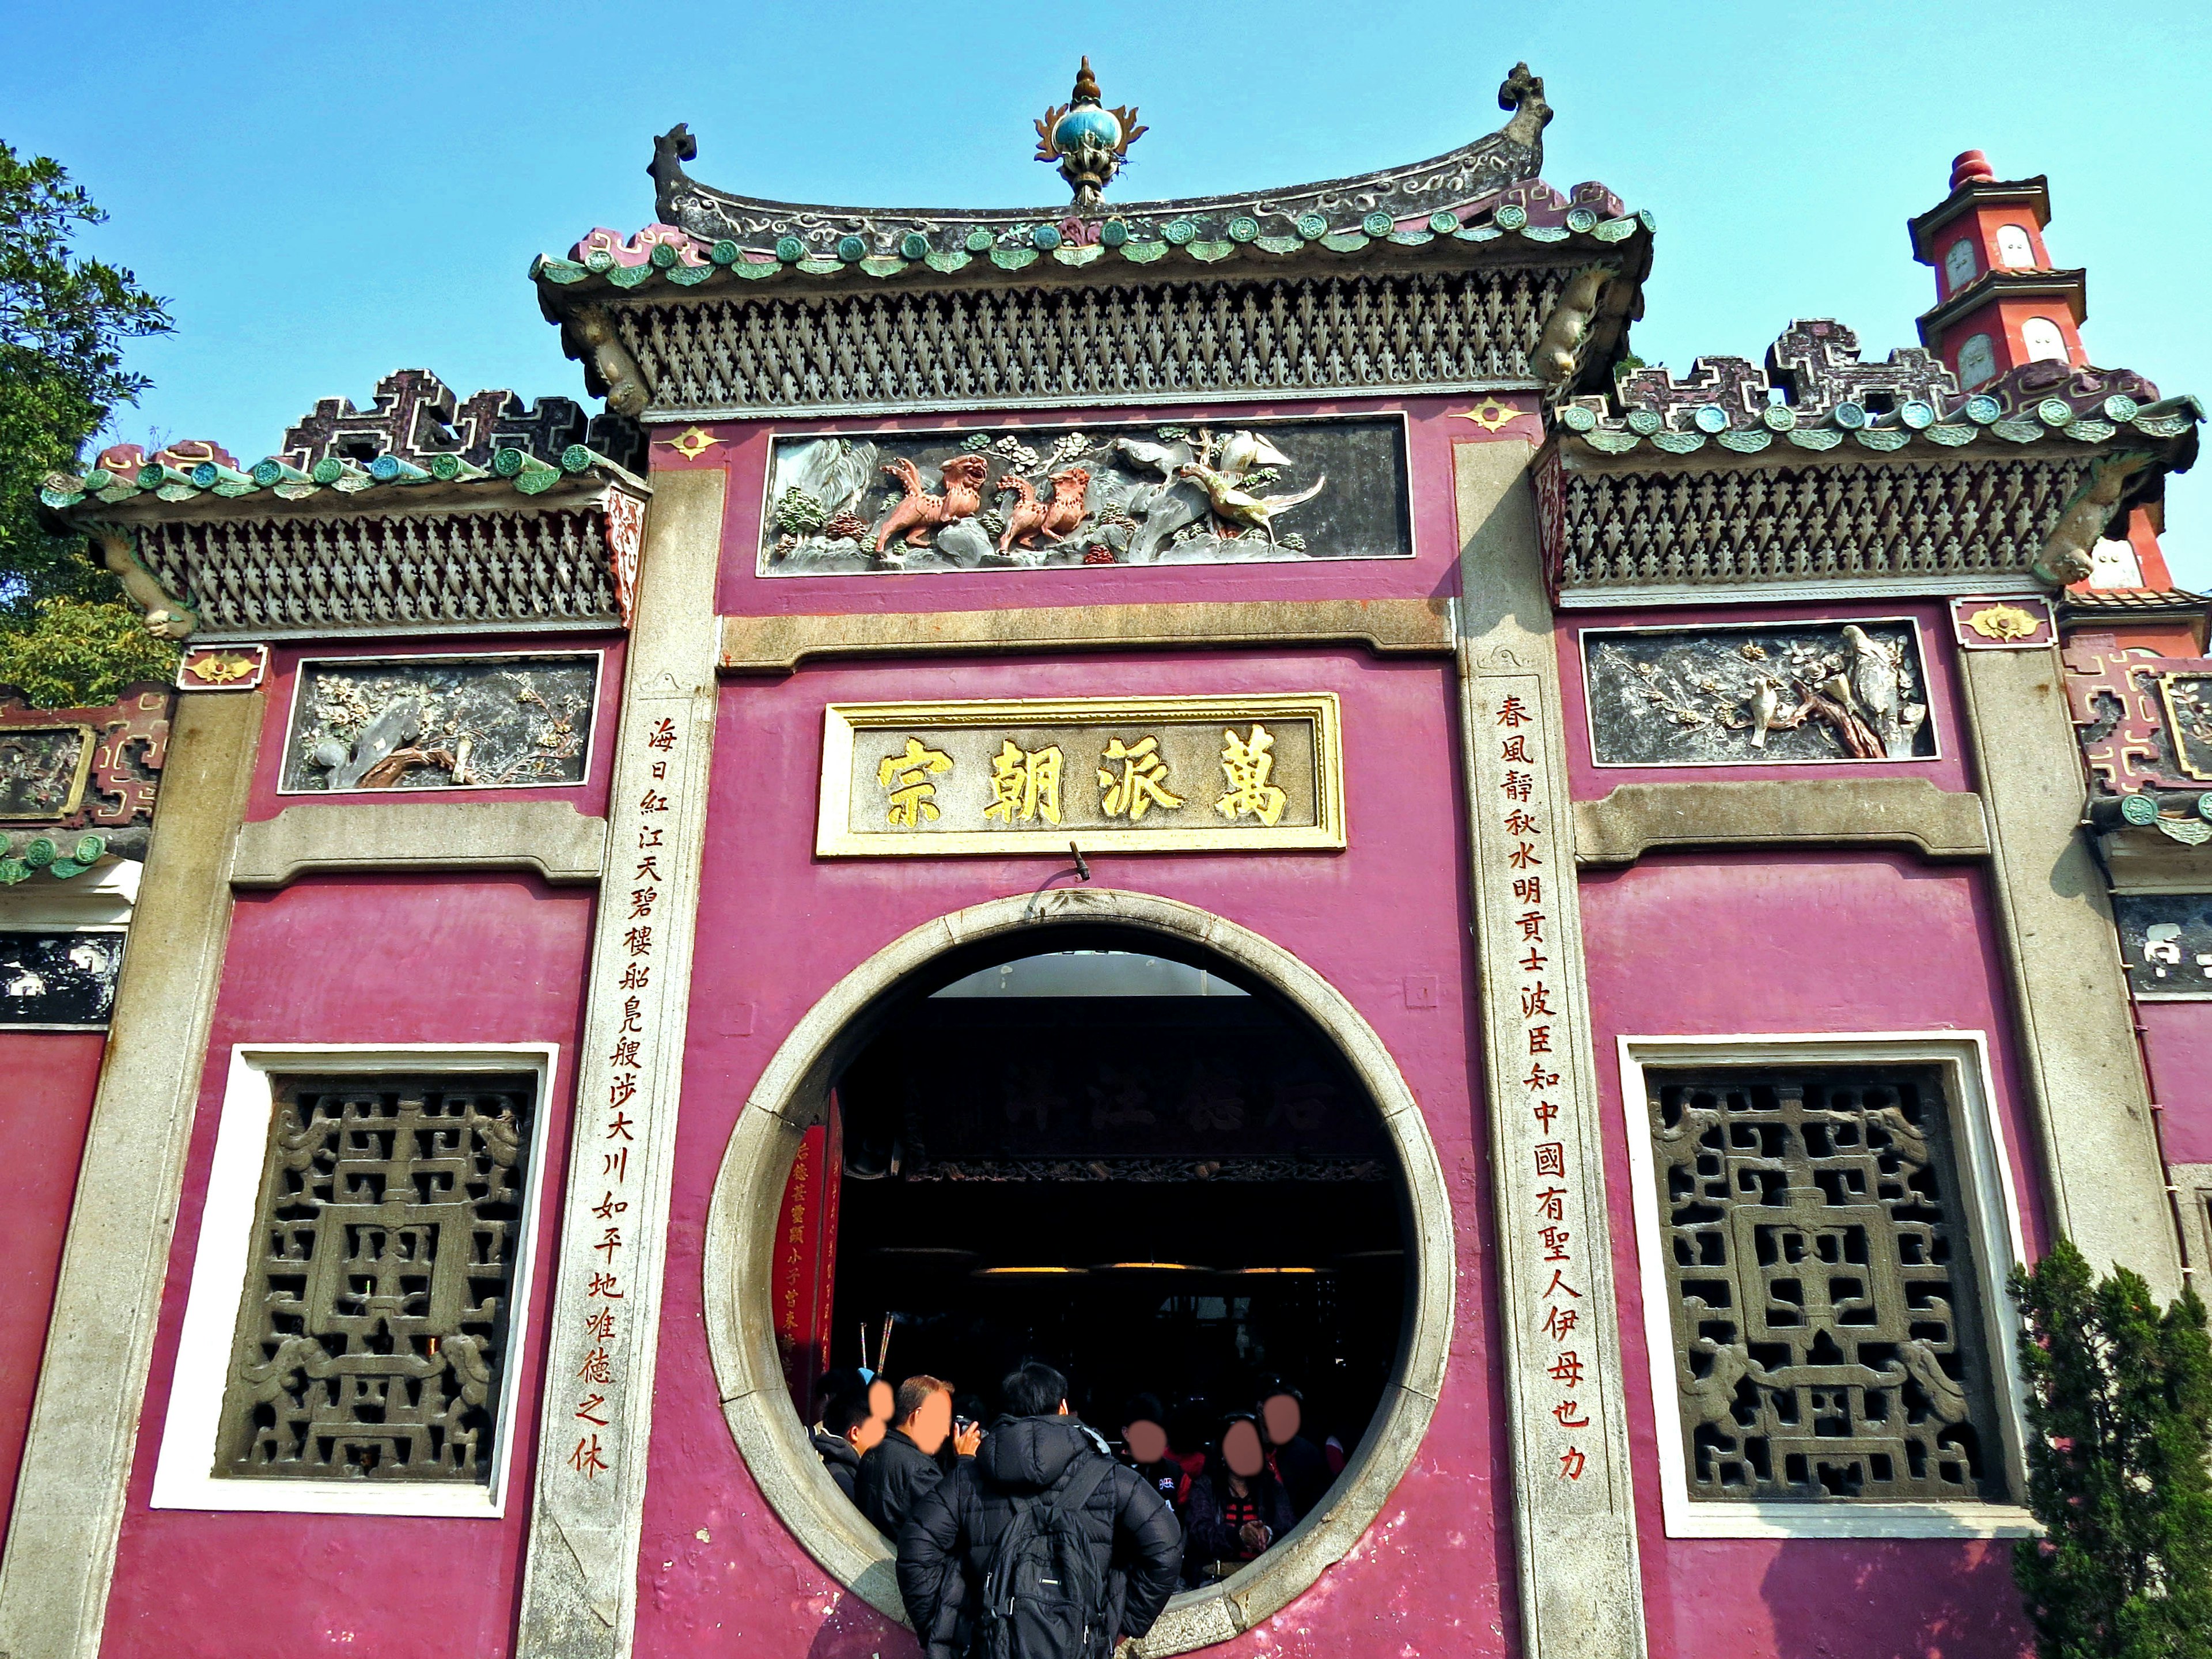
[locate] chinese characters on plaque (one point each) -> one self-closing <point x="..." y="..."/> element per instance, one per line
<point x="610" y="1131"/>
<point x="1153" y="774"/>
<point x="1523" y="813"/>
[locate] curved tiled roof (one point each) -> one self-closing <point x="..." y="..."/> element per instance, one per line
<point x="414" y="431"/>
<point x="1813" y="393"/>
<point x="1532" y="214"/>
<point x="1482" y="192"/>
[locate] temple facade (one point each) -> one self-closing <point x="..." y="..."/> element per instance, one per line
<point x="1209" y="790"/>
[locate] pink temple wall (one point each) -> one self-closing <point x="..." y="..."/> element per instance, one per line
<point x="357" y="959"/>
<point x="2178" y="1041"/>
<point x="53" y="1077"/>
<point x="1805" y="941"/>
<point x="778" y="928"/>
<point x="1809" y="941"/>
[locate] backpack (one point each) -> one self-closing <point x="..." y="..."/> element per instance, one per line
<point x="1044" y="1596"/>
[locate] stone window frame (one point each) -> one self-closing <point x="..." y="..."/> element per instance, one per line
<point x="183" y="1477"/>
<point x="1991" y="1219"/>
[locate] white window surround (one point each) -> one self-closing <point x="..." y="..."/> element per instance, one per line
<point x="1992" y="1209"/>
<point x="2043" y="340"/>
<point x="183" y="1477"/>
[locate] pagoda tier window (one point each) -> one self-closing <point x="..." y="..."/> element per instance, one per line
<point x="1978" y="361"/>
<point x="2044" y="341"/>
<point x="372" y="1335"/>
<point x="1829" y="1343"/>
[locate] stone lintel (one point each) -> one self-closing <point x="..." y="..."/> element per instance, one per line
<point x="777" y="645"/>
<point x="1636" y="818"/>
<point x="551" y="838"/>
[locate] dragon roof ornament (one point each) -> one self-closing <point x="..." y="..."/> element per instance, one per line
<point x="1435" y="197"/>
<point x="1813" y="392"/>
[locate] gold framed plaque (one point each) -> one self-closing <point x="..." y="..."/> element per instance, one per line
<point x="1121" y="775"/>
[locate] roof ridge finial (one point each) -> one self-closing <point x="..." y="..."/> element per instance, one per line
<point x="1088" y="140"/>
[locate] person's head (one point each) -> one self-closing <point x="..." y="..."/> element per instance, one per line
<point x="924" y="1412"/>
<point x="1034" y="1388"/>
<point x="1240" y="1446"/>
<point x="882" y="1401"/>
<point x="847" y="1414"/>
<point x="1282" y="1410"/>
<point x="1140" y="1428"/>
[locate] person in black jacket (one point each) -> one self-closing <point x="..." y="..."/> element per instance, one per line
<point x="904" y="1466"/>
<point x="849" y="1429"/>
<point x="1237" y="1509"/>
<point x="1300" y="1465"/>
<point x="946" y="1547"/>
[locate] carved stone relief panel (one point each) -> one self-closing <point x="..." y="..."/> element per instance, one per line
<point x="59" y="978"/>
<point x="440" y="723"/>
<point x="2188" y="700"/>
<point x="43" y="769"/>
<point x="1828" y="1335"/>
<point x="1160" y="492"/>
<point x="1766" y="696"/>
<point x="2165" y="940"/>
<point x="373" y="1329"/>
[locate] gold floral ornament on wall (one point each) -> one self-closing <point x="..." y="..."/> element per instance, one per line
<point x="2004" y="622"/>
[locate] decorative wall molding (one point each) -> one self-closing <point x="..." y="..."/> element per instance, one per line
<point x="550" y="837"/>
<point x="1635" y="818"/>
<point x="412" y="724"/>
<point x="1751" y="694"/>
<point x="777" y="644"/>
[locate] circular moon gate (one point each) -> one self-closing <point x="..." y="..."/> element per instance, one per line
<point x="791" y="1095"/>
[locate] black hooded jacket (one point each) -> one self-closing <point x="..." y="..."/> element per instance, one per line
<point x="893" y="1477"/>
<point x="945" y="1549"/>
<point x="839" y="1458"/>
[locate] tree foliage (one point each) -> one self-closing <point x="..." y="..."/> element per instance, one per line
<point x="2120" y="1420"/>
<point x="63" y="321"/>
<point x="80" y="653"/>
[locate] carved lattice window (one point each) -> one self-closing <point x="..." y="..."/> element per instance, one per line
<point x="1828" y="1333"/>
<point x="373" y="1334"/>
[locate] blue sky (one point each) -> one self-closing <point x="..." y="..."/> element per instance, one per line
<point x="324" y="195"/>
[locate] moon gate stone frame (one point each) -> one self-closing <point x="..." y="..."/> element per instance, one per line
<point x="790" y="1097"/>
